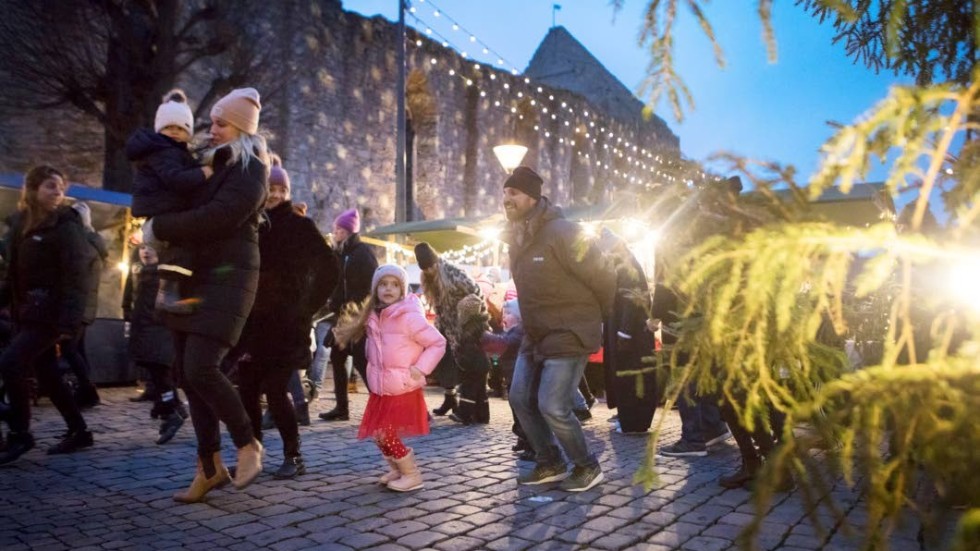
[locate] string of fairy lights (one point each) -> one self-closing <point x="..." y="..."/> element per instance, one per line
<point x="583" y="125"/>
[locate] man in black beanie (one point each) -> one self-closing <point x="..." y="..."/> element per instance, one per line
<point x="565" y="289"/>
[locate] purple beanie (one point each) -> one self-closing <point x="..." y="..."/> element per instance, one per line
<point x="348" y="220"/>
<point x="277" y="174"/>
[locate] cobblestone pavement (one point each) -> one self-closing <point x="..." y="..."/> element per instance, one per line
<point x="117" y="495"/>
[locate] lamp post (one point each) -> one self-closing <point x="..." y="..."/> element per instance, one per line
<point x="510" y="156"/>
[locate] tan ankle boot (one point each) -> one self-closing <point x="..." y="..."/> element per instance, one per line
<point x="201" y="485"/>
<point x="393" y="473"/>
<point x="249" y="464"/>
<point x="411" y="478"/>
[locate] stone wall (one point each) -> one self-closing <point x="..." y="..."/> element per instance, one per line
<point x="334" y="126"/>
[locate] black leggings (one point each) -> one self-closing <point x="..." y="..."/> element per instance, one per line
<point x="33" y="348"/>
<point x="210" y="394"/>
<point x="256" y="377"/>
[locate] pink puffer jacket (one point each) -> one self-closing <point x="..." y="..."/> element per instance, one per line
<point x="398" y="339"/>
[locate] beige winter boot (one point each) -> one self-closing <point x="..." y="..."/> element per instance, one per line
<point x="393" y="473"/>
<point x="201" y="485"/>
<point x="411" y="478"/>
<point x="249" y="464"/>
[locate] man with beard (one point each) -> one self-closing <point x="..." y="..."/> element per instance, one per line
<point x="565" y="290"/>
<point x="298" y="273"/>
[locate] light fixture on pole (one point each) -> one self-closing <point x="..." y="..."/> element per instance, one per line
<point x="510" y="155"/>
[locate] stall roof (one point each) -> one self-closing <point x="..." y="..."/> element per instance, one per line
<point x="108" y="207"/>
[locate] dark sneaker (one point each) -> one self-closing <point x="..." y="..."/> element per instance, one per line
<point x="683" y="448"/>
<point x="582" y="479"/>
<point x="17" y="445"/>
<point x="542" y="474"/>
<point x="335" y="415"/>
<point x="719" y="438"/>
<point x="527" y="455"/>
<point x="87" y="397"/>
<point x="72" y="442"/>
<point x="291" y="468"/>
<point x="169" y="428"/>
<point x="583" y="415"/>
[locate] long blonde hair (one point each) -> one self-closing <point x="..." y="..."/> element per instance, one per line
<point x="34" y="215"/>
<point x="352" y="323"/>
<point x="243" y="148"/>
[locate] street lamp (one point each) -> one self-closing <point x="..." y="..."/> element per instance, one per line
<point x="510" y="155"/>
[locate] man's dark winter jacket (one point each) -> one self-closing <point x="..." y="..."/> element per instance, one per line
<point x="149" y="339"/>
<point x="167" y="176"/>
<point x="221" y="233"/>
<point x="563" y="284"/>
<point x="357" y="266"/>
<point x="299" y="273"/>
<point x="48" y="276"/>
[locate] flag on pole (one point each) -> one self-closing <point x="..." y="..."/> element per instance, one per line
<point x="557" y="7"/>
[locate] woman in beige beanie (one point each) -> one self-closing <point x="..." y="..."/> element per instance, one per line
<point x="222" y="235"/>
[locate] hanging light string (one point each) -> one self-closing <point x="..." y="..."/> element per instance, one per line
<point x="644" y="160"/>
<point x="512" y="110"/>
<point x="486" y="49"/>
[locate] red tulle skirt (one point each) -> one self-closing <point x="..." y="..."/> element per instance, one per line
<point x="406" y="414"/>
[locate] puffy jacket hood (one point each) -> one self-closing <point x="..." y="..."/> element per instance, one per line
<point x="143" y="143"/>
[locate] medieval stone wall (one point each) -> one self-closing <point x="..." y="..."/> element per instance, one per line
<point x="334" y="126"/>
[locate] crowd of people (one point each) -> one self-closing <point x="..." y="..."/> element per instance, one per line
<point x="231" y="279"/>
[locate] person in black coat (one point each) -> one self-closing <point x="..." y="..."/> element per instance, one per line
<point x="221" y="234"/>
<point x="46" y="288"/>
<point x="151" y="342"/>
<point x="299" y="273"/>
<point x="626" y="341"/>
<point x="166" y="180"/>
<point x="86" y="395"/>
<point x="357" y="266"/>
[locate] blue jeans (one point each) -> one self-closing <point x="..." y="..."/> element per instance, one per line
<point x="321" y="357"/>
<point x="700" y="417"/>
<point x="542" y="396"/>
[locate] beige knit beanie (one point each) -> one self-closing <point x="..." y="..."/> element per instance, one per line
<point x="240" y="108"/>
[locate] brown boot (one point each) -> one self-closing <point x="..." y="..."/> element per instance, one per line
<point x="411" y="478"/>
<point x="393" y="473"/>
<point x="201" y="485"/>
<point x="249" y="464"/>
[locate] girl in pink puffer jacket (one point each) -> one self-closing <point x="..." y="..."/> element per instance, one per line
<point x="402" y="348"/>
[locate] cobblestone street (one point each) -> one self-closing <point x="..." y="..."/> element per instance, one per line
<point x="117" y="495"/>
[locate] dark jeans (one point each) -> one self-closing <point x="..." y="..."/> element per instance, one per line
<point x="33" y="348"/>
<point x="258" y="376"/>
<point x="338" y="362"/>
<point x="210" y="394"/>
<point x="73" y="352"/>
<point x="700" y="417"/>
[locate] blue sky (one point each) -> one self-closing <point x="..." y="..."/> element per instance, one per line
<point x="753" y="108"/>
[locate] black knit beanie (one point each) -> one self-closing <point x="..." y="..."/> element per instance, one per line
<point x="526" y="180"/>
<point x="425" y="255"/>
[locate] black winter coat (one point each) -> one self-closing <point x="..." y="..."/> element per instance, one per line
<point x="221" y="233"/>
<point x="564" y="285"/>
<point x="167" y="176"/>
<point x="626" y="338"/>
<point x="149" y="339"/>
<point x="299" y="273"/>
<point x="101" y="254"/>
<point x="357" y="266"/>
<point x="48" y="275"/>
